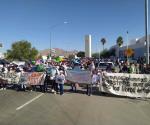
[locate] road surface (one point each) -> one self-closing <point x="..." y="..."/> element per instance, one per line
<point x="35" y="108"/>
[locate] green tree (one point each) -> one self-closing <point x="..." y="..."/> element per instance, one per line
<point x="81" y="54"/>
<point x="112" y="52"/>
<point x="95" y="55"/>
<point x="21" y="50"/>
<point x="103" y="41"/>
<point x="105" y="54"/>
<point x="119" y="42"/>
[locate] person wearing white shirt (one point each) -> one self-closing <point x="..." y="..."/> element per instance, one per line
<point x="94" y="81"/>
<point x="60" y="79"/>
<point x="4" y="71"/>
<point x="99" y="74"/>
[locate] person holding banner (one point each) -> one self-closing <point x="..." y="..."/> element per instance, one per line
<point x="132" y="69"/>
<point x="74" y="86"/>
<point x="4" y="71"/>
<point x="92" y="66"/>
<point x="137" y="68"/>
<point x="56" y="83"/>
<point x="22" y="81"/>
<point x="99" y="81"/>
<point x="124" y="68"/>
<point x="94" y="82"/>
<point x="61" y="80"/>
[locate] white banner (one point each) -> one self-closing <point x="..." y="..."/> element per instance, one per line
<point x="10" y="78"/>
<point x="131" y="85"/>
<point x="82" y="77"/>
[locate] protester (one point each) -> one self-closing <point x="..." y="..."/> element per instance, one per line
<point x="124" y="68"/>
<point x="60" y="79"/>
<point x="94" y="81"/>
<point x="74" y="86"/>
<point x="92" y="66"/>
<point x="22" y="81"/>
<point x="56" y="83"/>
<point x="46" y="81"/>
<point x="99" y="74"/>
<point x="4" y="71"/>
<point x="137" y="68"/>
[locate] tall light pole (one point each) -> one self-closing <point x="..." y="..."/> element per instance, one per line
<point x="99" y="51"/>
<point x="127" y="44"/>
<point x="146" y="31"/>
<point x="52" y="27"/>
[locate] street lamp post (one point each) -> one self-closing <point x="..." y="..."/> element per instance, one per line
<point x="52" y="27"/>
<point x="50" y="44"/>
<point x="127" y="44"/>
<point x="146" y="31"/>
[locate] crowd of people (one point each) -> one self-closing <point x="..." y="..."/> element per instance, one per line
<point x="57" y="79"/>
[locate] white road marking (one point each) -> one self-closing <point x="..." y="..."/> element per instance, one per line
<point x="20" y="107"/>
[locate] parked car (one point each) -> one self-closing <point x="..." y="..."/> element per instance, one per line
<point x="132" y="60"/>
<point x="105" y="65"/>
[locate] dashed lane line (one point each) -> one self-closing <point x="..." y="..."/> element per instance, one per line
<point x="30" y="101"/>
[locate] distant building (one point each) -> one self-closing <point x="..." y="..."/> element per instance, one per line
<point x="137" y="45"/>
<point x="88" y="46"/>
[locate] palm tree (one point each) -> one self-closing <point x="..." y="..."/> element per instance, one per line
<point x="119" y="41"/>
<point x="103" y="41"/>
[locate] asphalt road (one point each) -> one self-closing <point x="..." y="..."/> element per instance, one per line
<point x="35" y="108"/>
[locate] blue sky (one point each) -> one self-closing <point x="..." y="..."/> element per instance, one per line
<point x="32" y="20"/>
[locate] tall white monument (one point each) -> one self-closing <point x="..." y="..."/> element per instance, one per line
<point x="87" y="45"/>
